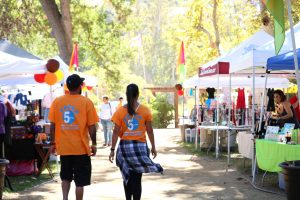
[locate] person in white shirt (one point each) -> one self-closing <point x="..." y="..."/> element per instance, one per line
<point x="106" y="113"/>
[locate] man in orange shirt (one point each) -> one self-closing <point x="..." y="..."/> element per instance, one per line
<point x="73" y="118"/>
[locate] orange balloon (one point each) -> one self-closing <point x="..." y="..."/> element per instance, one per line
<point x="50" y="78"/>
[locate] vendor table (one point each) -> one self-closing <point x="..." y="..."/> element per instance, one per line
<point x="44" y="151"/>
<point x="270" y="153"/>
<point x="228" y="129"/>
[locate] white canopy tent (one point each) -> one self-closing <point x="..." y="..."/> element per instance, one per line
<point x="257" y="57"/>
<point x="253" y="42"/>
<point x="10" y="64"/>
<point x="19" y="71"/>
<point x="240" y="81"/>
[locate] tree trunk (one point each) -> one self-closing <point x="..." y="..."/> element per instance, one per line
<point x="61" y="26"/>
<point x="213" y="43"/>
<point x="215" y="24"/>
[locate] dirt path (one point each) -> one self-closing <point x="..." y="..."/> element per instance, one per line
<point x="186" y="177"/>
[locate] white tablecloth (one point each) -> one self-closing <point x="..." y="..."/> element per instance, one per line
<point x="245" y="144"/>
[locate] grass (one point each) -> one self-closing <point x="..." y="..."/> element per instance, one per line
<point x="21" y="183"/>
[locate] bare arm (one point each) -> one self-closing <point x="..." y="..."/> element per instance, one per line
<point x="150" y="134"/>
<point x="93" y="136"/>
<point x="114" y="142"/>
<point x="52" y="132"/>
<point x="287" y="107"/>
<point x="92" y="132"/>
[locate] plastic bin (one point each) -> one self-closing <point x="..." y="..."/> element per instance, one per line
<point x="187" y="135"/>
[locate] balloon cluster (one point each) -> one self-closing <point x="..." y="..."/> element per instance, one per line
<point x="179" y="89"/>
<point x="53" y="75"/>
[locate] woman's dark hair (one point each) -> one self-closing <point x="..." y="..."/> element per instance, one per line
<point x="132" y="92"/>
<point x="281" y="94"/>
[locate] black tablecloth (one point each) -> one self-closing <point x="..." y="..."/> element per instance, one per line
<point x="21" y="149"/>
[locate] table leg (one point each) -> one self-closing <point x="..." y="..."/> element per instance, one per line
<point x="217" y="143"/>
<point x="196" y="138"/>
<point x="44" y="160"/>
<point x="228" y="149"/>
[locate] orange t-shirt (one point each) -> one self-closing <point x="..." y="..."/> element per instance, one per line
<point x="132" y="127"/>
<point x="72" y="115"/>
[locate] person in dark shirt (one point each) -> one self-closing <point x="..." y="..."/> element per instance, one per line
<point x="286" y="112"/>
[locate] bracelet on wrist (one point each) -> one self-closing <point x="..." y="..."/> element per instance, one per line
<point x="94" y="145"/>
<point x="112" y="149"/>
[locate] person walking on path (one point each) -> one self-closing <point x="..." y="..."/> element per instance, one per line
<point x="105" y="116"/>
<point x="133" y="156"/>
<point x="120" y="104"/>
<point x="73" y="118"/>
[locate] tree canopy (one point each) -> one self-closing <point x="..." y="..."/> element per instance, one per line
<point x="121" y="41"/>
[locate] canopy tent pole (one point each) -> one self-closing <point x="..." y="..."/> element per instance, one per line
<point x="262" y="110"/>
<point x="183" y="107"/>
<point x="294" y="45"/>
<point x="228" y="123"/>
<point x="259" y="126"/>
<point x="217" y="119"/>
<point x="196" y="120"/>
<point x="98" y="99"/>
<point x="253" y="120"/>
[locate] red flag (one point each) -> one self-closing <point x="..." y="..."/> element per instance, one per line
<point x="74" y="58"/>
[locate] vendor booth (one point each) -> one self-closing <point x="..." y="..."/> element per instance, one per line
<point x="257" y="57"/>
<point x="21" y="78"/>
<point x="252" y="73"/>
<point x="279" y="145"/>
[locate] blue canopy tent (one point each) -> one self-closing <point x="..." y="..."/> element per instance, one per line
<point x="283" y="62"/>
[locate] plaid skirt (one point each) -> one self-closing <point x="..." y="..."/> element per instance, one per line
<point x="134" y="155"/>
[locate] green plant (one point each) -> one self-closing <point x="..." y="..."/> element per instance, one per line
<point x="162" y="112"/>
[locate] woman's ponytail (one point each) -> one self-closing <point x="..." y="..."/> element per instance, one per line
<point x="132" y="92"/>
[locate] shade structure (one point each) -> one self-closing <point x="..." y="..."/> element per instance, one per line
<point x="10" y="64"/>
<point x="12" y="49"/>
<point x="18" y="71"/>
<point x="253" y="42"/>
<point x="258" y="57"/>
<point x="240" y="81"/>
<point x="283" y="62"/>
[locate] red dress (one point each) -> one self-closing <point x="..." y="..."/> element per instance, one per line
<point x="293" y="100"/>
<point x="241" y="103"/>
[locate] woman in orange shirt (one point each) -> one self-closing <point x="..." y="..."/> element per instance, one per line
<point x="132" y="121"/>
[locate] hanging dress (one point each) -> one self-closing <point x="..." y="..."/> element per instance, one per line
<point x="241" y="103"/>
<point x="271" y="104"/>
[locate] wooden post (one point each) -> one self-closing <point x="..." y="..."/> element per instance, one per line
<point x="176" y="108"/>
